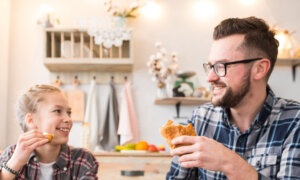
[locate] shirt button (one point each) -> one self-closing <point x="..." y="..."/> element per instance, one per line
<point x="258" y="164"/>
<point x="65" y="168"/>
<point x="35" y="159"/>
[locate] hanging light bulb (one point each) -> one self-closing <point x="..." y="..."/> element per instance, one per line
<point x="151" y="10"/>
<point x="204" y="8"/>
<point x="286" y="47"/>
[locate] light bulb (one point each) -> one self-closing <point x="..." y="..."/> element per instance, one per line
<point x="151" y="10"/>
<point x="204" y="8"/>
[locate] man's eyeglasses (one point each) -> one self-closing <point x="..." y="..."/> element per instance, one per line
<point x="220" y="67"/>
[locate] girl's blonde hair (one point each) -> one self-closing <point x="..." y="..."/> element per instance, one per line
<point x="28" y="101"/>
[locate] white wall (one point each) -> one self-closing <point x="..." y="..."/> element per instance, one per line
<point x="177" y="28"/>
<point x="4" y="43"/>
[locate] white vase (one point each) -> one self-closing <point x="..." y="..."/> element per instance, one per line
<point x="169" y="89"/>
<point x="121" y="22"/>
<point x="161" y="93"/>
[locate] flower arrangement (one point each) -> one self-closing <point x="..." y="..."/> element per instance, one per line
<point x="160" y="67"/>
<point x="131" y="12"/>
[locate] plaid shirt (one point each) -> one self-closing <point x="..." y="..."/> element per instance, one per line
<point x="271" y="145"/>
<point x="72" y="163"/>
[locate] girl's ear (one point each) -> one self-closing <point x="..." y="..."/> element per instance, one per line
<point x="30" y="121"/>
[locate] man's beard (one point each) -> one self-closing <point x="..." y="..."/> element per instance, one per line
<point x="231" y="99"/>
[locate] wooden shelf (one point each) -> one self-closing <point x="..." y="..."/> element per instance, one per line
<point x="182" y="100"/>
<point x="87" y="64"/>
<point x="287" y="61"/>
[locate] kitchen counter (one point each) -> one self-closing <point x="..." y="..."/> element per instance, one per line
<point x="154" y="165"/>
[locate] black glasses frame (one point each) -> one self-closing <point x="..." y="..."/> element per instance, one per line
<point x="205" y="65"/>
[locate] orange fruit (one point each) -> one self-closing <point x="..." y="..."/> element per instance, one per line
<point x="142" y="146"/>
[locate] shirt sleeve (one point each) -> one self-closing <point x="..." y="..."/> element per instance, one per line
<point x="89" y="167"/>
<point x="6" y="155"/>
<point x="290" y="157"/>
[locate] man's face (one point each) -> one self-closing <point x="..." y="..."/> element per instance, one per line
<point x="229" y="91"/>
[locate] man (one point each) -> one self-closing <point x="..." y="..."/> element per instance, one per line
<point x="246" y="132"/>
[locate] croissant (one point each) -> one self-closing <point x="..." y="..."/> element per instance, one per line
<point x="49" y="136"/>
<point x="171" y="131"/>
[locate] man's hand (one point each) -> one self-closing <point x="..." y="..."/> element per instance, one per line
<point x="211" y="155"/>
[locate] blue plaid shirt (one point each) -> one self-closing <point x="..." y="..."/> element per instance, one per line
<point x="271" y="144"/>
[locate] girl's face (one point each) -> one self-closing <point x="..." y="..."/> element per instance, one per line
<point x="54" y="116"/>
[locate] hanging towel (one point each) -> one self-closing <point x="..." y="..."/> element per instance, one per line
<point x="128" y="125"/>
<point x="91" y="116"/>
<point x="108" y="129"/>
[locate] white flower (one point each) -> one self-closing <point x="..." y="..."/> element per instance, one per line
<point x="152" y="58"/>
<point x="158" y="55"/>
<point x="118" y="42"/>
<point x="163" y="51"/>
<point x="107" y="44"/>
<point x="174" y="54"/>
<point x="158" y="45"/>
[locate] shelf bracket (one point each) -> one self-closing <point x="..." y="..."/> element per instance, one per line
<point x="178" y="109"/>
<point x="294" y="71"/>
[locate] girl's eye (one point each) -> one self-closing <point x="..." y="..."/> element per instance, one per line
<point x="69" y="113"/>
<point x="57" y="111"/>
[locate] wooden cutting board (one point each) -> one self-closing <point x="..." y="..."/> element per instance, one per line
<point x="76" y="102"/>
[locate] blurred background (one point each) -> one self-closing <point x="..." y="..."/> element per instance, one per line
<point x="183" y="27"/>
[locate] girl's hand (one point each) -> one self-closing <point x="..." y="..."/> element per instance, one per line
<point x="26" y="144"/>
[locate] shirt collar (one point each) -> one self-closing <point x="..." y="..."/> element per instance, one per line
<point x="261" y="118"/>
<point x="62" y="161"/>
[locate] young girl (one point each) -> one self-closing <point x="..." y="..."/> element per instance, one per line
<point x="44" y="109"/>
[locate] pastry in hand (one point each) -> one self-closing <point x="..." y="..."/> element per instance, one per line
<point x="49" y="136"/>
<point x="171" y="131"/>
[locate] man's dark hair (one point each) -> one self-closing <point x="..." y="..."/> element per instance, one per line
<point x="259" y="38"/>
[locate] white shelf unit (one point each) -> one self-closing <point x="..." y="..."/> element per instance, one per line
<point x="91" y="57"/>
<point x="71" y="52"/>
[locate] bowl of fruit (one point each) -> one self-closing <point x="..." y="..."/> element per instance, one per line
<point x="140" y="147"/>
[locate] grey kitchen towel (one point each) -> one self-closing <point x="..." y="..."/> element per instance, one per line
<point x="109" y="137"/>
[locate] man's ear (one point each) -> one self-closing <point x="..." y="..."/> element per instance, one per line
<point x="261" y="68"/>
<point x="30" y="121"/>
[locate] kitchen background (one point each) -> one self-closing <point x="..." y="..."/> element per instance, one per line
<point x="176" y="25"/>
